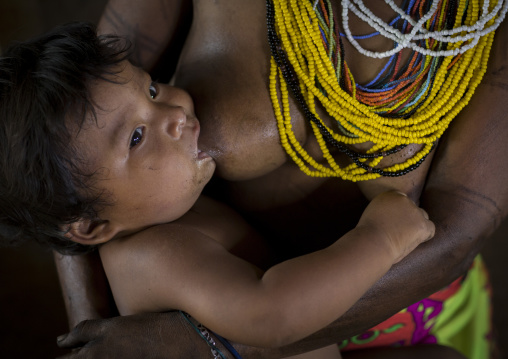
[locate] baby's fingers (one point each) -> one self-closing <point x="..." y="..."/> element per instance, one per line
<point x="430" y="227"/>
<point x="425" y="214"/>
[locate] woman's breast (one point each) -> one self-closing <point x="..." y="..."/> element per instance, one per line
<point x="225" y="68"/>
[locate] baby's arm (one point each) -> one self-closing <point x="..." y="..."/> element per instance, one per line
<point x="291" y="300"/>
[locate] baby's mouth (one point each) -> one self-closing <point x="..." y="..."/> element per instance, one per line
<point x="202" y="154"/>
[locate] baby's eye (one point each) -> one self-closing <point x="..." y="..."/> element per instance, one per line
<point x="136" y="137"/>
<point x="154" y="90"/>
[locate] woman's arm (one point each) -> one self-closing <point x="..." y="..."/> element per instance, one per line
<point x="84" y="287"/>
<point x="156" y="28"/>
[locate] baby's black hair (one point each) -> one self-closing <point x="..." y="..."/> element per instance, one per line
<point x="44" y="87"/>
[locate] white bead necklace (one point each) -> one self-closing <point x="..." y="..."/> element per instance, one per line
<point x="418" y="32"/>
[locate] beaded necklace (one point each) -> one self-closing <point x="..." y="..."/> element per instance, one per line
<point x="406" y="103"/>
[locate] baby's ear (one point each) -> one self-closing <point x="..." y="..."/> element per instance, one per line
<point x="90" y="232"/>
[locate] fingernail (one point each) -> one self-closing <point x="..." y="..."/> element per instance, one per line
<point x="61" y="337"/>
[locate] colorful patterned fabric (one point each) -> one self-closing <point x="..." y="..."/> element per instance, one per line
<point x="457" y="316"/>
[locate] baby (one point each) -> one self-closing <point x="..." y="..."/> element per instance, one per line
<point x="96" y="154"/>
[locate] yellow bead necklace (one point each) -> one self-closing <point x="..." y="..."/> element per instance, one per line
<point x="418" y="115"/>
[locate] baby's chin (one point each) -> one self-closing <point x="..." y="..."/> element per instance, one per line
<point x="207" y="166"/>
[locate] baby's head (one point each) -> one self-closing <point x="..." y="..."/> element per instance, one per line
<point x="90" y="148"/>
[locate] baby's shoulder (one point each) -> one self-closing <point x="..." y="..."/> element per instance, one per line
<point x="152" y="264"/>
<point x="207" y="220"/>
<point x="146" y="248"/>
<point x="163" y="239"/>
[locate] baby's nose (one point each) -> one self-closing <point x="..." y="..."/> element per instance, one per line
<point x="176" y="119"/>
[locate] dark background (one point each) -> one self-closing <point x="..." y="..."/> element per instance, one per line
<point x="31" y="307"/>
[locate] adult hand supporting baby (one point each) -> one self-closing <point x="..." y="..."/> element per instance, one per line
<point x="113" y="338"/>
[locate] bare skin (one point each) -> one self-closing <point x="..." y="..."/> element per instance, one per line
<point x="188" y="265"/>
<point x="224" y="68"/>
<point x="166" y="247"/>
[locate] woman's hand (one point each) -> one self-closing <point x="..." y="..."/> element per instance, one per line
<point x="150" y="336"/>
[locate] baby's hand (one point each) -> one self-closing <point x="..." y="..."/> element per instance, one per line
<point x="396" y="219"/>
